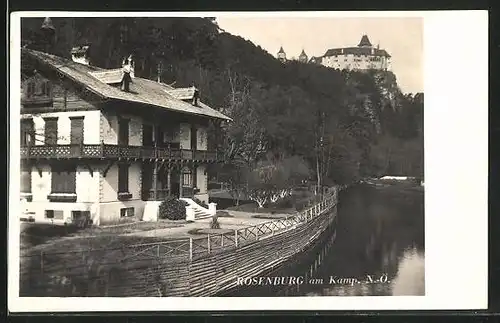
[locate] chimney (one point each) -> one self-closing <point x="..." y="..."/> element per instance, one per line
<point x="80" y="54"/>
<point x="128" y="73"/>
<point x="129" y="66"/>
<point x="196" y="95"/>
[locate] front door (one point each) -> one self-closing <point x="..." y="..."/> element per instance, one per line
<point x="175" y="183"/>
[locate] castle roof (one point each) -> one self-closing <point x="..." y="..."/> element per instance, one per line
<point x="142" y="91"/>
<point x="364" y="41"/>
<point x="303" y="53"/>
<point x="357" y="51"/>
<point x="281" y="50"/>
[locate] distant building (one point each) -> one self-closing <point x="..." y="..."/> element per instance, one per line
<point x="281" y="55"/>
<point x="303" y="57"/>
<point x="362" y="57"/>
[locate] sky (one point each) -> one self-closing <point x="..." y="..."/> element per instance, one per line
<point x="402" y="37"/>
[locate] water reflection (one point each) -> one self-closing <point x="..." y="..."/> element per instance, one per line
<point x="375" y="248"/>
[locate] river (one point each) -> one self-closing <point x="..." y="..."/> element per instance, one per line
<point x="375" y="248"/>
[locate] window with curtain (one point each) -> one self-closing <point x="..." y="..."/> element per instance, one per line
<point x="63" y="179"/>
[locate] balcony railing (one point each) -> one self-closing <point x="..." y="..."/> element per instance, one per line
<point x="116" y="151"/>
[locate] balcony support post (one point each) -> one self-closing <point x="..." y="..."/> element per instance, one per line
<point x="91" y="171"/>
<point x="105" y="172"/>
<point x="181" y="179"/>
<point x="155" y="168"/>
<point x="169" y="178"/>
<point x="155" y="179"/>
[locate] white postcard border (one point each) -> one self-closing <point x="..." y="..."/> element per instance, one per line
<point x="456" y="168"/>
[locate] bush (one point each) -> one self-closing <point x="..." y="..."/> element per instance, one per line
<point x="172" y="209"/>
<point x="200" y="202"/>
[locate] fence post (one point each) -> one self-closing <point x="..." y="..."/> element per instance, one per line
<point x="222" y="240"/>
<point x="190" y="249"/>
<point x="208" y="243"/>
<point x="158" y="251"/>
<point x="236" y="237"/>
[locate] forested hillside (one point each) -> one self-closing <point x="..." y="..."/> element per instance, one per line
<point x="338" y="126"/>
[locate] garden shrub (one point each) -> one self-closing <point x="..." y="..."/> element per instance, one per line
<point x="173" y="209"/>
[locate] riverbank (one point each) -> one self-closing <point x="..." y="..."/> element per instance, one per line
<point x="184" y="267"/>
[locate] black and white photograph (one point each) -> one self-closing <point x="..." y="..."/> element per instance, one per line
<point x="221" y="156"/>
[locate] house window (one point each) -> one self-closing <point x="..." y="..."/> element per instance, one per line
<point x="55" y="215"/>
<point x="46" y="88"/>
<point x="27" y="132"/>
<point x="64" y="179"/>
<point x="31" y="89"/>
<point x="127" y="212"/>
<point x="123" y="178"/>
<point x="51" y="131"/>
<point x="123" y="192"/>
<point x="25" y="180"/>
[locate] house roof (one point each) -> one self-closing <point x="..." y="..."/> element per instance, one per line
<point x="109" y="76"/>
<point x="356" y="51"/>
<point x="142" y="90"/>
<point x="365" y="41"/>
<point x="186" y="93"/>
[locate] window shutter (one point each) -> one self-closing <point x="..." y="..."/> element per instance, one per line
<point x="76" y="130"/>
<point x="51" y="131"/>
<point x="63" y="179"/>
<point x="123" y="178"/>
<point x="123" y="131"/>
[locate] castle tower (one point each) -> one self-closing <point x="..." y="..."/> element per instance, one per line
<point x="47" y="35"/>
<point x="303" y="57"/>
<point x="281" y="55"/>
<point x="364" y="42"/>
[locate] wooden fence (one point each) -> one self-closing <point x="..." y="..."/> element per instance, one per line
<point x="183" y="267"/>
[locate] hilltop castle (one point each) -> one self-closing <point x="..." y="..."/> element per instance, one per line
<point x="362" y="57"/>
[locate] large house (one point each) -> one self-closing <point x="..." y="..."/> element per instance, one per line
<point x="101" y="143"/>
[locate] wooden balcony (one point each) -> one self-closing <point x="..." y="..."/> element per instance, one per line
<point x="116" y="151"/>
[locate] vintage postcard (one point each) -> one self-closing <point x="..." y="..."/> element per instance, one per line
<point x="248" y="161"/>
